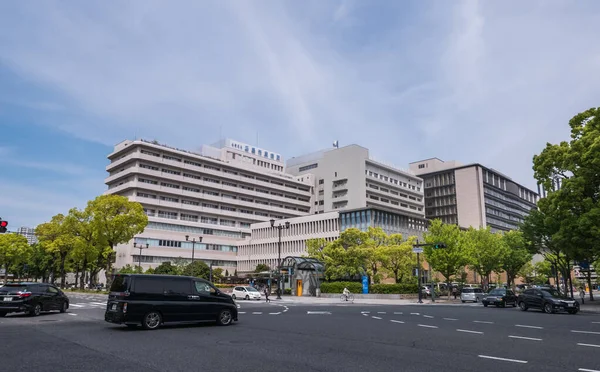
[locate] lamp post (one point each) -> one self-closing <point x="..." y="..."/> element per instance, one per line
<point x="210" y="272"/>
<point x="187" y="239"/>
<point x="140" y="246"/>
<point x="279" y="228"/>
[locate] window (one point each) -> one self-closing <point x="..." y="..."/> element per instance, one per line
<point x="144" y="285"/>
<point x="307" y="167"/>
<point x="204" y="288"/>
<point x="421" y="166"/>
<point x="171" y="171"/>
<point x="171" y="185"/>
<point x="146" y="166"/>
<point x="177" y="286"/>
<point x="52" y="289"/>
<point x="167" y="157"/>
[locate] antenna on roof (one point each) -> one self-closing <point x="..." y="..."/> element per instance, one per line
<point x="336" y="144"/>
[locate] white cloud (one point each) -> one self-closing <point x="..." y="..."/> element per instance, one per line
<point x="471" y="81"/>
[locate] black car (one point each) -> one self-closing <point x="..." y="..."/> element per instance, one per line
<point x="151" y="300"/>
<point x="32" y="298"/>
<point x="548" y="300"/>
<point x="500" y="297"/>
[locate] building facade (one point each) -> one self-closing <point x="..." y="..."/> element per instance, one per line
<point x="212" y="196"/>
<point x="262" y="247"/>
<point x="473" y="195"/>
<point x="29" y="233"/>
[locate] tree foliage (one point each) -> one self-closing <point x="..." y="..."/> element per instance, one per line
<point x="14" y="250"/>
<point x="484" y="251"/>
<point x="516" y="255"/>
<point x="450" y="260"/>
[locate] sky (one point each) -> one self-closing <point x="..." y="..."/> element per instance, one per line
<point x="473" y="81"/>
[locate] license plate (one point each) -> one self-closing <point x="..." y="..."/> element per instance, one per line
<point x="113" y="307"/>
<point x="8" y="299"/>
<point x="569" y="305"/>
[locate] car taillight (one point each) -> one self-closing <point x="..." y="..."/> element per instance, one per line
<point x="24" y="294"/>
<point x="125" y="307"/>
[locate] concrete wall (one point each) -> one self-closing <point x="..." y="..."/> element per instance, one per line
<point x="469" y="197"/>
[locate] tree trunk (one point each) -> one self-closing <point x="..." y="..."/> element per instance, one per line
<point x="63" y="259"/>
<point x="6" y="273"/>
<point x="83" y="273"/>
<point x="76" y="276"/>
<point x="589" y="282"/>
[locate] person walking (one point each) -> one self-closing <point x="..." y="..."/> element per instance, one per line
<point x="454" y="291"/>
<point x="267" y="295"/>
<point x="582" y="295"/>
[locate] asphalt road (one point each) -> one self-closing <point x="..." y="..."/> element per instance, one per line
<point x="292" y="337"/>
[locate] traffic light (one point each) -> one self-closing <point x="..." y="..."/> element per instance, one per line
<point x="439" y="246"/>
<point x="3" y="225"/>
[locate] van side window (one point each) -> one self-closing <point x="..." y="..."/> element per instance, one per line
<point x="203" y="288"/>
<point x="148" y="285"/>
<point x="177" y="286"/>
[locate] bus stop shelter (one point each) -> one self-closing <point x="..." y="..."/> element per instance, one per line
<point x="303" y="275"/>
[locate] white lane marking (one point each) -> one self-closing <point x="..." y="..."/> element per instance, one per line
<point x="99" y="303"/>
<point x="76" y="305"/>
<point x="528" y="326"/>
<point x="71" y="314"/>
<point x="589" y="345"/>
<point x="588" y="370"/>
<point x="319" y="312"/>
<point x="376" y="317"/>
<point x="503" y="359"/>
<point x="241" y="312"/>
<point x="450" y="319"/>
<point x="397" y="321"/>
<point x="426" y="326"/>
<point x="381" y="312"/>
<point x="427" y="316"/>
<point x="365" y="312"/>
<point x="467" y="331"/>
<point x="587" y="332"/>
<point x="526" y="338"/>
<point x="257" y="312"/>
<point x="482" y="321"/>
<point x="595" y="322"/>
<point x="275" y="313"/>
<point x="398" y="313"/>
<point x="415" y="314"/>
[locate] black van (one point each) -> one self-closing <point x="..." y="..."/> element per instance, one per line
<point x="151" y="300"/>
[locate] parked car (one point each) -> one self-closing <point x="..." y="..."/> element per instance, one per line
<point x="471" y="294"/>
<point x="247" y="293"/>
<point x="152" y="300"/>
<point x="31" y="298"/>
<point x="548" y="300"/>
<point x="500" y="297"/>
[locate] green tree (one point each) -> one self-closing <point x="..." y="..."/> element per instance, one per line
<point x="450" y="260"/>
<point x="59" y="238"/>
<point x="576" y="164"/>
<point x="40" y="262"/>
<point x="343" y="258"/>
<point x="91" y="244"/>
<point x="399" y="258"/>
<point x="166" y="268"/>
<point x="261" y="267"/>
<point x="116" y="220"/>
<point x="198" y="268"/>
<point x="372" y="246"/>
<point x="516" y="255"/>
<point x="128" y="269"/>
<point x="484" y="251"/>
<point x="217" y="275"/>
<point x="12" y="247"/>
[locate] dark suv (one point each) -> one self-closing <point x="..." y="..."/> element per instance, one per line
<point x="151" y="300"/>
<point x="32" y="298"/>
<point x="548" y="300"/>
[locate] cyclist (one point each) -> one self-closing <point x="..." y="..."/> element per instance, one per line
<point x="346" y="292"/>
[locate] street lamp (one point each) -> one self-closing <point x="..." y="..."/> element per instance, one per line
<point x="279" y="228"/>
<point x="210" y="272"/>
<point x="187" y="239"/>
<point x="140" y="246"/>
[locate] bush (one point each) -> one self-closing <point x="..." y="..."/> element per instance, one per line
<point x="225" y="285"/>
<point x="338" y="287"/>
<point x="393" y="288"/>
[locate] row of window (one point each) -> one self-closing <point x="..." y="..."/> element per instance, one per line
<point x="505" y="198"/>
<point x="185" y="244"/>
<point x="161" y="259"/>
<point x="393" y="202"/>
<point x="196" y="218"/>
<point x="196" y="230"/>
<point x="288" y="248"/>
<point x="222" y="169"/>
<point x="393" y="192"/>
<point x="391" y="180"/>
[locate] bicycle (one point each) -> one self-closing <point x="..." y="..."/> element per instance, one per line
<point x="350" y="298"/>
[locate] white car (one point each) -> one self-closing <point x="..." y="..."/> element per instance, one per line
<point x="247" y="293"/>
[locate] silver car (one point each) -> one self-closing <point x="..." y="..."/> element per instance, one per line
<point x="471" y="294"/>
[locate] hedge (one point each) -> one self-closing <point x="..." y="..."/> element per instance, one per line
<point x="355" y="287"/>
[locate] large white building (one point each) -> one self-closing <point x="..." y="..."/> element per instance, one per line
<point x="213" y="196"/>
<point x="29" y="233"/>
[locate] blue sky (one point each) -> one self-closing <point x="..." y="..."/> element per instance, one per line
<point x="487" y="82"/>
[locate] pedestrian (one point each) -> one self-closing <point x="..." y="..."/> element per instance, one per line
<point x="454" y="292"/>
<point x="582" y="295"/>
<point x="267" y="295"/>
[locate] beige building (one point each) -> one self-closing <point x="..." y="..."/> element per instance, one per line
<point x="262" y="247"/>
<point x="213" y="195"/>
<point x="473" y="195"/>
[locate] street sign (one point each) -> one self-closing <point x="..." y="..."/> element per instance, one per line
<point x="417" y="250"/>
<point x="365" y="284"/>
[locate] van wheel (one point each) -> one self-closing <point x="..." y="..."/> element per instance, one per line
<point x="247" y="297"/>
<point x="522" y="306"/>
<point x="225" y="317"/>
<point x="37" y="309"/>
<point x="64" y="307"/>
<point x="152" y="320"/>
<point x="233" y="296"/>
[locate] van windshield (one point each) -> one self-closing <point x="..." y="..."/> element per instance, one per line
<point x="120" y="283"/>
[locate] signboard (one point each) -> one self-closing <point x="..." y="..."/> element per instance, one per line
<point x="365" y="283"/>
<point x="418" y="250"/>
